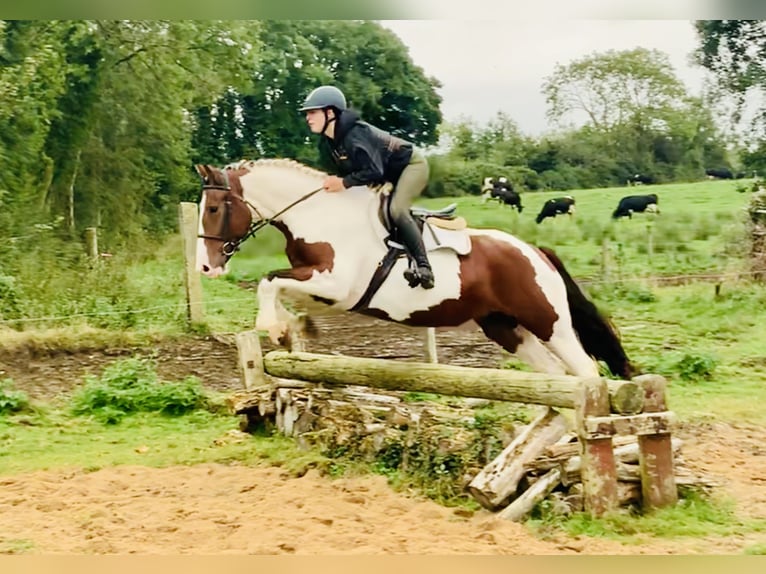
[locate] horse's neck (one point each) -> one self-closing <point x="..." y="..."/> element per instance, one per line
<point x="271" y="189"/>
<point x="352" y="211"/>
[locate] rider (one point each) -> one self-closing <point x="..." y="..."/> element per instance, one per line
<point x="367" y="155"/>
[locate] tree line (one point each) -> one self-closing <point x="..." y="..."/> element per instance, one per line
<point x="101" y="121"/>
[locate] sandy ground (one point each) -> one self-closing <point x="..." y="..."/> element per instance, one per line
<point x="220" y="509"/>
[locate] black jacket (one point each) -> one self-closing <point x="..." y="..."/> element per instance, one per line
<point x="365" y="154"/>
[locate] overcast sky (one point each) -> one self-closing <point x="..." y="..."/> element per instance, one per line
<point x="491" y="66"/>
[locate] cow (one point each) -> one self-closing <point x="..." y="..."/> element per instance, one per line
<point x="641" y="179"/>
<point x="635" y="204"/>
<point x="553" y="207"/>
<point x="501" y="190"/>
<point x="719" y="173"/>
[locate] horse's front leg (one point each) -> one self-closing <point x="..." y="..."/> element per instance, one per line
<point x="272" y="316"/>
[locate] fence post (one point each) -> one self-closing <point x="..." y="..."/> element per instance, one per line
<point x="605" y="259"/>
<point x="187" y="223"/>
<point x="655" y="451"/>
<point x="251" y="359"/>
<point x="429" y="346"/>
<point x="599" y="470"/>
<point x="91" y="242"/>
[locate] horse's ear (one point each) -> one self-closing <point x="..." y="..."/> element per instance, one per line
<point x="203" y="172"/>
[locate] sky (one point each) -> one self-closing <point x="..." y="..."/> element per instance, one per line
<point x="491" y="66"/>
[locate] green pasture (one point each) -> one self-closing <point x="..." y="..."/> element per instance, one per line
<point x="699" y="230"/>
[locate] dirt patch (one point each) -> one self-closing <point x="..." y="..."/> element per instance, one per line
<point x="214" y="509"/>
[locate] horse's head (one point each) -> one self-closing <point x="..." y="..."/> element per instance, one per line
<point x="225" y="219"/>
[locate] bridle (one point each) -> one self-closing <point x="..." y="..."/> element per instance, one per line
<point x="230" y="246"/>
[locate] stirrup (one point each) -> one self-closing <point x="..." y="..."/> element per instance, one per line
<point x="414" y="277"/>
<point x="426" y="281"/>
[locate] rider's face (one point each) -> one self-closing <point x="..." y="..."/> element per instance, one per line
<point x="316" y="119"/>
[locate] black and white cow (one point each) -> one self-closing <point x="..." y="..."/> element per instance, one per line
<point x="553" y="207"/>
<point x="635" y="204"/>
<point x="502" y="190"/>
<point x="641" y="179"/>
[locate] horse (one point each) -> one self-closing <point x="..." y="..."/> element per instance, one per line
<point x="341" y="253"/>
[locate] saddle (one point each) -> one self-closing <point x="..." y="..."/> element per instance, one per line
<point x="441" y="228"/>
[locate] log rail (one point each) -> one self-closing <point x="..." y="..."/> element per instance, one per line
<point x="603" y="409"/>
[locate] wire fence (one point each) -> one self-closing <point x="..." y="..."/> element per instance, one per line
<point x="656" y="280"/>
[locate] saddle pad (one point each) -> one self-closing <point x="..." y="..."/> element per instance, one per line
<point x="439" y="238"/>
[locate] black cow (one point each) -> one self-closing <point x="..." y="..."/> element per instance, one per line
<point x="641" y="179"/>
<point x="719" y="173"/>
<point x="636" y="203"/>
<point x="553" y="207"/>
<point x="502" y="190"/>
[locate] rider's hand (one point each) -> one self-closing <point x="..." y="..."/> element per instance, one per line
<point x="333" y="183"/>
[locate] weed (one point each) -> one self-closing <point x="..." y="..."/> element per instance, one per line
<point x="131" y="386"/>
<point x="12" y="400"/>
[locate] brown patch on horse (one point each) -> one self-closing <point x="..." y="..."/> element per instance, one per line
<point x="304" y="257"/>
<point x="496" y="279"/>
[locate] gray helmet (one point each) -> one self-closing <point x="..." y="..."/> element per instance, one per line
<point x="324" y="97"/>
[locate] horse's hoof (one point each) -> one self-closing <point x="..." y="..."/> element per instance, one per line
<point x="278" y="333"/>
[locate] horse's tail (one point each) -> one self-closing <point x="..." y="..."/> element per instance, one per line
<point x="598" y="336"/>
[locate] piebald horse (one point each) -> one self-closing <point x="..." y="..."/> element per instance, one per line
<point x="521" y="296"/>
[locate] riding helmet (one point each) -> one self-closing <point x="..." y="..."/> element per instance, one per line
<point x="324" y="97"/>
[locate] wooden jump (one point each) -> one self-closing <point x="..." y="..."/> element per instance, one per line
<point x="603" y="409"/>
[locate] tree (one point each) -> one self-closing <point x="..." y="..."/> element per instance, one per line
<point x="735" y="52"/>
<point x="613" y="88"/>
<point x="634" y="103"/>
<point x="368" y="62"/>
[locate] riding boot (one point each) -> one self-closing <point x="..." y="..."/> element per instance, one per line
<point x="409" y="234"/>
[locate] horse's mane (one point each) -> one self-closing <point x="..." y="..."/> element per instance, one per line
<point x="250" y="164"/>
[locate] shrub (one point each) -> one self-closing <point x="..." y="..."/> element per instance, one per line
<point x="131" y="386"/>
<point x="694" y="367"/>
<point x="12" y="400"/>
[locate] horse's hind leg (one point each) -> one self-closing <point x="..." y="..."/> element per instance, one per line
<point x="567" y="347"/>
<point x="515" y="339"/>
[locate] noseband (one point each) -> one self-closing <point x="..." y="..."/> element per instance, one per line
<point x="230" y="246"/>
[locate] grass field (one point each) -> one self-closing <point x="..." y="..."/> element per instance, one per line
<point x="706" y="337"/>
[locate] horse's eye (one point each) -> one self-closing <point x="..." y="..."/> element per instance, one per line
<point x="213" y="209"/>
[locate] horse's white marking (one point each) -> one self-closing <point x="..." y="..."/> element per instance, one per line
<point x="202" y="262"/>
<point x="532" y="351"/>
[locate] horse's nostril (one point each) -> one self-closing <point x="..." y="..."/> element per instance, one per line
<point x="205" y="268"/>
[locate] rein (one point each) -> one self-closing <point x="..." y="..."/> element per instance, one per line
<point x="230" y="247"/>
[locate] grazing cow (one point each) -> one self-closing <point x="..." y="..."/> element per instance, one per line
<point x="634" y="204"/>
<point x="641" y="179"/>
<point x="502" y="190"/>
<point x="553" y="207"/>
<point x="719" y="173"/>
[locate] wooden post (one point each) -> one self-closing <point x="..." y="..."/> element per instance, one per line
<point x="251" y="359"/>
<point x="429" y="346"/>
<point x="650" y="242"/>
<point x="187" y="223"/>
<point x="605" y="259"/>
<point x="91" y="243"/>
<point x="655" y="451"/>
<point x="599" y="471"/>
